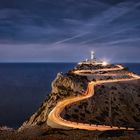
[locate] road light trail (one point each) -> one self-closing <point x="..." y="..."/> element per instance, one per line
<point x="56" y="121"/>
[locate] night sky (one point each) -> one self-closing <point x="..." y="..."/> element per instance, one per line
<point x="67" y="30"/>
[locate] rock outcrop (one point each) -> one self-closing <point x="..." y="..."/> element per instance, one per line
<point x="116" y="104"/>
<point x="63" y="86"/>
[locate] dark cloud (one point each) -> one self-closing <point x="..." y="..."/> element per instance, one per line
<point x="60" y="27"/>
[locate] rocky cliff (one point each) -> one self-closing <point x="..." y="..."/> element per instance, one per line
<point x="115" y="104"/>
<point x="63" y="86"/>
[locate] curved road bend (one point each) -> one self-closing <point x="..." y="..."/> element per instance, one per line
<point x="55" y="120"/>
<point x="80" y="72"/>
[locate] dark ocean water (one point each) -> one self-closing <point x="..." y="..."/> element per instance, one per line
<point x="23" y="87"/>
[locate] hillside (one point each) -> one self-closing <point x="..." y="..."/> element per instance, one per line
<point x="116" y="104"/>
<point x="112" y="104"/>
<point x="64" y="85"/>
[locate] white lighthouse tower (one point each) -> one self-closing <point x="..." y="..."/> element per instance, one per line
<point x="93" y="58"/>
<point x="92" y="55"/>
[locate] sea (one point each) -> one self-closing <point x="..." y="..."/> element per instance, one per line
<point x="24" y="86"/>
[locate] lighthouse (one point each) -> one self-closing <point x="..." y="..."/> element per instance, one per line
<point x="93" y="58"/>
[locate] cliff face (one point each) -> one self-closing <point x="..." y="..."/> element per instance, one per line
<point x="63" y="86"/>
<point x="116" y="104"/>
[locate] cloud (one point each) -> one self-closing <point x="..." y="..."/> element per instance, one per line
<point x="53" y="53"/>
<point x="71" y="38"/>
<point x="48" y="30"/>
<point x="99" y="26"/>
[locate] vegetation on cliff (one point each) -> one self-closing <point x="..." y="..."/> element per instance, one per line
<point x="63" y="86"/>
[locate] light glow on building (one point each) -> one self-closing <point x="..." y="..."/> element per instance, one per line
<point x="104" y="63"/>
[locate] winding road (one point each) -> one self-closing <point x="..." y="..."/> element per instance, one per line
<point x="56" y="121"/>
